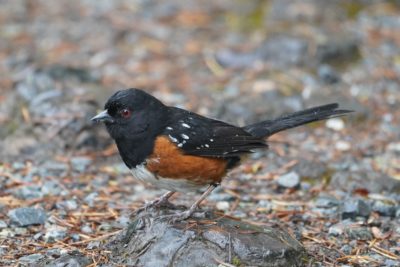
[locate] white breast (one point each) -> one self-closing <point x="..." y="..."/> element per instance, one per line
<point x="141" y="173"/>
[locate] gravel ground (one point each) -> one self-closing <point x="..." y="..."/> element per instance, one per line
<point x="334" y="185"/>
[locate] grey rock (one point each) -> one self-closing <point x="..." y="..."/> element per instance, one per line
<point x="339" y="228"/>
<point x="80" y="164"/>
<point x="7" y="232"/>
<point x="358" y="233"/>
<point x="327" y="74"/>
<point x="28" y="192"/>
<point x="38" y="236"/>
<point x="30" y="259"/>
<point x="346" y="249"/>
<point x="3" y="224"/>
<point x="75" y="237"/>
<point x="27" y="216"/>
<point x="20" y="231"/>
<point x="67" y="205"/>
<point x="310" y="170"/>
<point x="154" y="241"/>
<point x="326" y="202"/>
<point x="331" y="212"/>
<point x="55" y="168"/>
<point x="93" y="245"/>
<point x="74" y="259"/>
<point x="335" y="48"/>
<point x="122" y="221"/>
<point x="105" y="227"/>
<point x="221" y="197"/>
<point x="353" y="208"/>
<point x="54" y="252"/>
<point x="18" y="166"/>
<point x="289" y="180"/>
<point x="89" y="199"/>
<point x="52" y="188"/>
<point x="55" y="233"/>
<point x="86" y="229"/>
<point x="384" y="208"/>
<point x="391" y="263"/>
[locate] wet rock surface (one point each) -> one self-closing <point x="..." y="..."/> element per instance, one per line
<point x="206" y="241"/>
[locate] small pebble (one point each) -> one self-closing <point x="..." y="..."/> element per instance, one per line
<point x="52" y="188"/>
<point x="54" y="252"/>
<point x="37" y="236"/>
<point x="55" y="233"/>
<point x="359" y="233"/>
<point x="75" y="237"/>
<point x="90" y="199"/>
<point x="3" y="224"/>
<point x="27" y="216"/>
<point x="93" y="245"/>
<point x="221" y="197"/>
<point x="384" y="208"/>
<point x="86" y="229"/>
<point x="342" y="145"/>
<point x="6" y="232"/>
<point x="391" y="263"/>
<point x="17" y="166"/>
<point x="223" y="205"/>
<point x="105" y="227"/>
<point x="346" y="249"/>
<point x="326" y="202"/>
<point x="339" y="228"/>
<point x="31" y="259"/>
<point x="397" y="212"/>
<point x="80" y="164"/>
<point x="123" y="221"/>
<point x="20" y="231"/>
<point x="327" y="74"/>
<point x="355" y="207"/>
<point x="289" y="180"/>
<point x="335" y="124"/>
<point x="67" y="204"/>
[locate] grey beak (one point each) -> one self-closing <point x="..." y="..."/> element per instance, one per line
<point x="103" y="117"/>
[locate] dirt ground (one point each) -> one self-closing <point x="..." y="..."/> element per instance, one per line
<point x="333" y="185"/>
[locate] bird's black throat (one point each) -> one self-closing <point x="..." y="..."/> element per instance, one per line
<point x="135" y="151"/>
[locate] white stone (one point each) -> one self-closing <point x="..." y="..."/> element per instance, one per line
<point x="336" y="124"/>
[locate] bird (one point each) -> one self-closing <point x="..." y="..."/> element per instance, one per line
<point x="182" y="151"/>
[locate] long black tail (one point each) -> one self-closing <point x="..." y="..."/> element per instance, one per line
<point x="270" y="127"/>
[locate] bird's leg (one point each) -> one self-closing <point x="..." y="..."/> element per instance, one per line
<point x="160" y="201"/>
<point x="186" y="214"/>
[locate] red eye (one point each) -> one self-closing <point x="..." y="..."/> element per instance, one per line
<point x="125" y="113"/>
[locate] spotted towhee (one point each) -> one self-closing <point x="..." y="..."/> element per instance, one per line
<point x="182" y="151"/>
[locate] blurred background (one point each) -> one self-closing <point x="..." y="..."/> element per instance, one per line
<point x="239" y="61"/>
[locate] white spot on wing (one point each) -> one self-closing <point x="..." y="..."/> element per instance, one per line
<point x="212" y="140"/>
<point x="169" y="128"/>
<point x="185" y="125"/>
<point x="180" y="145"/>
<point x="206" y="145"/>
<point x="173" y="139"/>
<point x="184" y="136"/>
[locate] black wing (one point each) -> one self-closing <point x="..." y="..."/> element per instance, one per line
<point x="201" y="136"/>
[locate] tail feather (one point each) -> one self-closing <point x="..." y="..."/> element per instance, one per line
<point x="270" y="127"/>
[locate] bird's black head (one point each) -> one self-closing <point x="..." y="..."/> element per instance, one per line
<point x="132" y="114"/>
